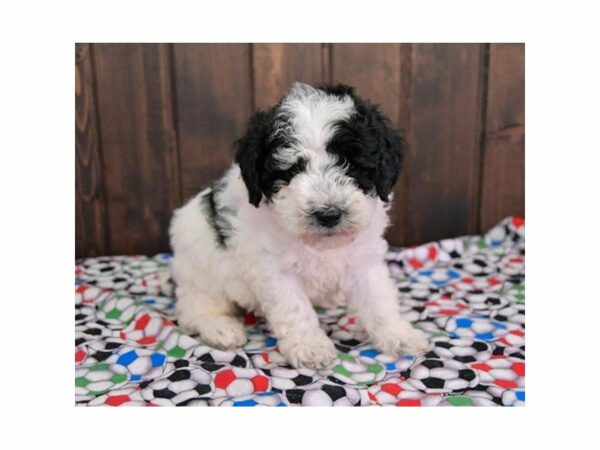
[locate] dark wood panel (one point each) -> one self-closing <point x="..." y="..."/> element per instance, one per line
<point x="139" y="144"/>
<point x="213" y="97"/>
<point x="90" y="215"/>
<point x="277" y="66"/>
<point x="503" y="178"/>
<point x="375" y="70"/>
<point x="155" y="123"/>
<point x="445" y="133"/>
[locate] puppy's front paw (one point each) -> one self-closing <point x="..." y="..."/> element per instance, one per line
<point x="401" y="339"/>
<point x="222" y="332"/>
<point x="314" y="351"/>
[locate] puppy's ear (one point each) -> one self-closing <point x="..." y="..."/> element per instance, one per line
<point x="390" y="148"/>
<point x="391" y="158"/>
<point x="250" y="153"/>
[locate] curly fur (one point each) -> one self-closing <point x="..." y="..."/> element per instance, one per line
<point x="256" y="239"/>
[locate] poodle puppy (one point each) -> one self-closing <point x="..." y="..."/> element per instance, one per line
<point x="296" y="221"/>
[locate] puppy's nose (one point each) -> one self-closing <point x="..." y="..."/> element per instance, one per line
<point x="328" y="217"/>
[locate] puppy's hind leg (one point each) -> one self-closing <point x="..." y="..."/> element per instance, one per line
<point x="214" y="319"/>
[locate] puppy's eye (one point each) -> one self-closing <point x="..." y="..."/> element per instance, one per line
<point x="364" y="177"/>
<point x="274" y="180"/>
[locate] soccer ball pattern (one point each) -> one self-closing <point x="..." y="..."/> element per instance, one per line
<point x="396" y="391"/>
<point x="506" y="373"/>
<point x="260" y="399"/>
<point x="441" y="376"/>
<point x="461" y="350"/>
<point x="325" y="394"/>
<point x="354" y="370"/>
<point x="475" y="327"/>
<point x="120" y="397"/>
<point x="179" y="387"/>
<point x="92" y="380"/>
<point x="466" y="294"/>
<point x="139" y="363"/>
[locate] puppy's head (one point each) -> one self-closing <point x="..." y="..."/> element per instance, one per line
<point x="320" y="160"/>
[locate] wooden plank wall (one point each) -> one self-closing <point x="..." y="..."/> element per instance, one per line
<point x="155" y="124"/>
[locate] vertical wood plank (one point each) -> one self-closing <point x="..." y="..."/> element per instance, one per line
<point x="127" y="160"/>
<point x="213" y="97"/>
<point x="277" y="66"/>
<point x="445" y="130"/>
<point x="375" y="71"/>
<point x="503" y="178"/>
<point x="90" y="215"/>
<point x="139" y="144"/>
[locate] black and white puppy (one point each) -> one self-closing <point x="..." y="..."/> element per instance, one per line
<point x="296" y="221"/>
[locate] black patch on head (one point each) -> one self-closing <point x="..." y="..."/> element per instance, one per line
<point x="217" y="215"/>
<point x="368" y="145"/>
<point x="339" y="90"/>
<point x="261" y="172"/>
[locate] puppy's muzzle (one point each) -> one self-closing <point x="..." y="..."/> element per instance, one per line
<point x="328" y="217"/>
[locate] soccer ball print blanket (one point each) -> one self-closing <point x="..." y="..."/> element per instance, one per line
<point x="466" y="293"/>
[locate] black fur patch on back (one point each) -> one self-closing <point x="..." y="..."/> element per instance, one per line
<point x="217" y="215"/>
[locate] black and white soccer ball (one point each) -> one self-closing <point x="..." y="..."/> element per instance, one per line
<point x="440" y="376"/>
<point x="179" y="387"/>
<point x="485" y="301"/>
<point x="324" y="395"/>
<point x="513" y="313"/>
<point x="461" y="350"/>
<point x="286" y="377"/>
<point x="205" y="354"/>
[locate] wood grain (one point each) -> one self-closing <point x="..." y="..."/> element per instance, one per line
<point x="503" y="177"/>
<point x="139" y="145"/>
<point x="445" y="126"/>
<point x="90" y="214"/>
<point x="375" y="70"/>
<point x="155" y="124"/>
<point x="213" y="98"/>
<point x="278" y="66"/>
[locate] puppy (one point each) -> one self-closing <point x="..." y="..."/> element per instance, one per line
<point x="296" y="221"/>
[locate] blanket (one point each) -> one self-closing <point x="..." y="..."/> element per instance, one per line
<point x="467" y="294"/>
